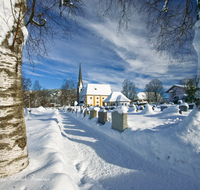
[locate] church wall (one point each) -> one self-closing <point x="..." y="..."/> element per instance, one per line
<point x="95" y="100"/>
<point x="89" y="100"/>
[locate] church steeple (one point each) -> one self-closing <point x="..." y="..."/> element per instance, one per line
<point x="80" y="81"/>
<point x="80" y="84"/>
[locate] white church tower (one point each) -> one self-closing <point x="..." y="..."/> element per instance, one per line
<point x="80" y="84"/>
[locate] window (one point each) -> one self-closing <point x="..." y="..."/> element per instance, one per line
<point x="90" y="97"/>
<point x="97" y="102"/>
<point x="97" y="97"/>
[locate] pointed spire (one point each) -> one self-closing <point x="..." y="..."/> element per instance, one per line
<point x="80" y="75"/>
<point x="80" y="84"/>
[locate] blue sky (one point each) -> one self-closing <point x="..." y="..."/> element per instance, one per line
<point x="107" y="57"/>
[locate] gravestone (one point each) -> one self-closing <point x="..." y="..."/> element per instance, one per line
<point x="119" y="121"/>
<point x="107" y="107"/>
<point x="183" y="107"/>
<point x="102" y="116"/>
<point x="69" y="109"/>
<point x="86" y="112"/>
<point x="141" y="107"/>
<point x="163" y="107"/>
<point x="93" y="113"/>
<point x="191" y="106"/>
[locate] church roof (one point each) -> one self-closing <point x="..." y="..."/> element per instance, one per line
<point x="116" y="97"/>
<point x="98" y="89"/>
<point x="175" y="85"/>
<point x="141" y="96"/>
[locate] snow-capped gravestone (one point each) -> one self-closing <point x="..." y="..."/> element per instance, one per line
<point x="183" y="107"/>
<point x="82" y="110"/>
<point x="171" y="110"/>
<point x="94" y="112"/>
<point x="162" y="107"/>
<point x="86" y="112"/>
<point x="119" y="118"/>
<point x="102" y="116"/>
<point x="191" y="106"/>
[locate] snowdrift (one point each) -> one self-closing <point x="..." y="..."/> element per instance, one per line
<point x="48" y="166"/>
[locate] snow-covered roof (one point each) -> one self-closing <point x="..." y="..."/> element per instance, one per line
<point x="175" y="85"/>
<point x="116" y="97"/>
<point x="141" y="96"/>
<point x="98" y="89"/>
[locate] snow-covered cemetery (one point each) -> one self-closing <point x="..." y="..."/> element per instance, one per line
<point x="121" y="119"/>
<point x="71" y="148"/>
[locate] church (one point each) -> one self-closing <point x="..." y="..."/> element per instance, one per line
<point x="92" y="94"/>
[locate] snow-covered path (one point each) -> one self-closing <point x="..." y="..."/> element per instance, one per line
<point x="102" y="162"/>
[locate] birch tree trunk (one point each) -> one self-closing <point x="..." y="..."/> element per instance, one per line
<point x="13" y="140"/>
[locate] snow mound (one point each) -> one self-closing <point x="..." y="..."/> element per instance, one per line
<point x="121" y="109"/>
<point x="132" y="110"/>
<point x="51" y="166"/>
<point x="102" y="110"/>
<point x="189" y="134"/>
<point x="148" y="110"/>
<point x="171" y="109"/>
<point x="41" y="108"/>
<point x="95" y="109"/>
<point x="184" y="104"/>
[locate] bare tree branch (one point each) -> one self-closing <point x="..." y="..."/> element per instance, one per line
<point x="45" y="19"/>
<point x="169" y="23"/>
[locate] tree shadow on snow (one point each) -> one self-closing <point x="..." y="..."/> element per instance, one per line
<point x="108" y="149"/>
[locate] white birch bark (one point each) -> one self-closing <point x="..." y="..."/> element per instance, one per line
<point x="13" y="140"/>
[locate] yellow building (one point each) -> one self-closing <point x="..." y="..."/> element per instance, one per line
<point x="93" y="94"/>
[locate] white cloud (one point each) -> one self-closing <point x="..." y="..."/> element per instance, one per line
<point x="134" y="50"/>
<point x="28" y="72"/>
